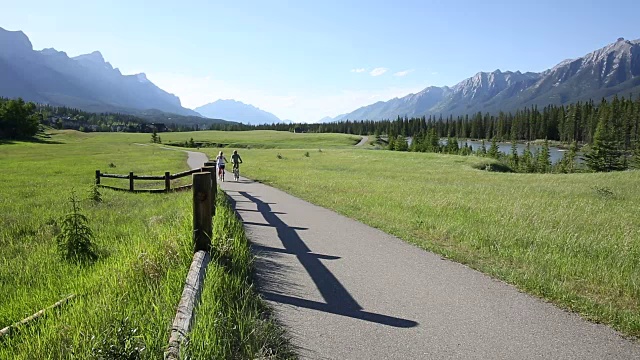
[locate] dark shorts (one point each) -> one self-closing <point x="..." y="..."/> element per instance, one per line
<point x="221" y="166"/>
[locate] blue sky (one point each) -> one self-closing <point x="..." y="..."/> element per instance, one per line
<point x="303" y="60"/>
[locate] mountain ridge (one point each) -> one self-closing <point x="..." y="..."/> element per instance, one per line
<point x="233" y="110"/>
<point x="610" y="70"/>
<point x="85" y="81"/>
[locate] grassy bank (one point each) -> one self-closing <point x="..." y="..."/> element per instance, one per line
<point x="573" y="239"/>
<point x="125" y="300"/>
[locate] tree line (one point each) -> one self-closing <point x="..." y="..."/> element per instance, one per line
<point x="565" y="123"/>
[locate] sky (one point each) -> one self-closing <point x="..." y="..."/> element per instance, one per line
<point x="304" y="60"/>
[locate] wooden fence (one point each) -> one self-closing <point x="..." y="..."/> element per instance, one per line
<point x="167" y="177"/>
<point x="204" y="200"/>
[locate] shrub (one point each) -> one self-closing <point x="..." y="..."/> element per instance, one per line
<point x="75" y="240"/>
<point x="94" y="194"/>
<point x="306" y="154"/>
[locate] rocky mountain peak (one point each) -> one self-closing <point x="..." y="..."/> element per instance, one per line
<point x="95" y="57"/>
<point x="14" y="42"/>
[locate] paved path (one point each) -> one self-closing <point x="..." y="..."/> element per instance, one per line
<point x="347" y="291"/>
<point x="363" y="141"/>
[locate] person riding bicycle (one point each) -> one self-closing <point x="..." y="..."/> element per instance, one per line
<point x="236" y="160"/>
<point x="220" y="162"/>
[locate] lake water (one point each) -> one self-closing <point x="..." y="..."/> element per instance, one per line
<point x="554" y="152"/>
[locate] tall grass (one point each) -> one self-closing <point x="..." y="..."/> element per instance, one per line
<point x="231" y="321"/>
<point x="573" y="239"/>
<point x="125" y="300"/>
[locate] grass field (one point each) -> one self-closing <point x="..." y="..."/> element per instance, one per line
<point x="573" y="239"/>
<point x="126" y="300"/>
<point x="263" y="139"/>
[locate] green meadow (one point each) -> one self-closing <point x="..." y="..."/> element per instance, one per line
<point x="573" y="239"/>
<point x="125" y="301"/>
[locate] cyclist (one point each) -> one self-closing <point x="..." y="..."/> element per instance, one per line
<point x="220" y="162"/>
<point x="236" y="160"/>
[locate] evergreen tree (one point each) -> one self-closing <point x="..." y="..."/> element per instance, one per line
<point x="513" y="159"/>
<point x="543" y="158"/>
<point x="604" y="154"/>
<point x="494" y="152"/>
<point x="526" y="161"/>
<point x="567" y="164"/>
<point x="401" y="144"/>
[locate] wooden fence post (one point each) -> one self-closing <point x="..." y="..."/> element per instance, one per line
<point x="97" y="177"/>
<point x="167" y="181"/>
<point x="202" y="222"/>
<point x="214" y="189"/>
<point x="131" y="181"/>
<point x="214" y="185"/>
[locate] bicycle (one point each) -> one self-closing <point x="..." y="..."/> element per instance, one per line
<point x="221" y="174"/>
<point x="236" y="172"/>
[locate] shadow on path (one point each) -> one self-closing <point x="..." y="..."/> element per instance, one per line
<point x="337" y="298"/>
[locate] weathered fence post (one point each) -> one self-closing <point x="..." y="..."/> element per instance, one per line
<point x="97" y="177"/>
<point x="214" y="189"/>
<point x="202" y="222"/>
<point x="131" y="181"/>
<point x="214" y="185"/>
<point x="167" y="181"/>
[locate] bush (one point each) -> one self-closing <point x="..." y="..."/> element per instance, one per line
<point x="306" y="154"/>
<point x="94" y="194"/>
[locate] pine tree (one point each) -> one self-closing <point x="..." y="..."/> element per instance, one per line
<point x="568" y="162"/>
<point x="526" y="163"/>
<point x="543" y="158"/>
<point x="513" y="160"/>
<point x="494" y="152"/>
<point x="401" y="144"/>
<point x="605" y="154"/>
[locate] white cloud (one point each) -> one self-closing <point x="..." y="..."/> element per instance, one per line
<point x="434" y="73"/>
<point x="378" y="71"/>
<point x="303" y="106"/>
<point x="360" y="70"/>
<point x="403" y="73"/>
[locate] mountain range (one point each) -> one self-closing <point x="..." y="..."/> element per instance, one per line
<point x="87" y="82"/>
<point x="237" y="111"/>
<point x="613" y="69"/>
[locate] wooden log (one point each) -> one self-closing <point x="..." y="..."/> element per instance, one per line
<point x="182" y="188"/>
<point x="202" y="222"/>
<point x="131" y="181"/>
<point x="185" y="311"/>
<point x="115" y="176"/>
<point x="214" y="189"/>
<point x="184" y="173"/>
<point x="167" y="181"/>
<point x="97" y="177"/>
<point x="24" y="321"/>
<point x="112" y="187"/>
<point x="148" y="177"/>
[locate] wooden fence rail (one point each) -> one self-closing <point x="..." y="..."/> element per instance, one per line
<point x="167" y="177"/>
<point x="203" y="202"/>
